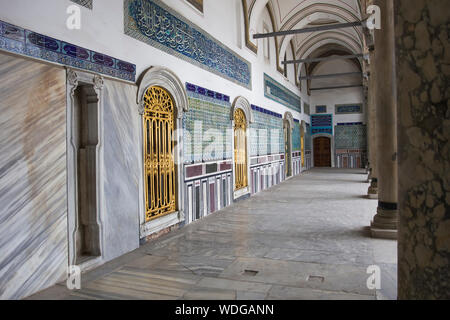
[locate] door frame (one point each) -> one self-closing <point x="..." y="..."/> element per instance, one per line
<point x="243" y="104"/>
<point x="168" y="80"/>
<point x="289" y="121"/>
<point x="332" y="148"/>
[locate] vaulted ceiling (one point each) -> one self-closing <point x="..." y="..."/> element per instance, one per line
<point x="298" y="14"/>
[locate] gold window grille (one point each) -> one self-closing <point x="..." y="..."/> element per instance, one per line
<point x="159" y="164"/>
<point x="240" y="149"/>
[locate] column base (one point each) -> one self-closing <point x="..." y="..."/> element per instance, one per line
<point x="385" y="222"/>
<point x="383" y="233"/>
<point x="372" y="192"/>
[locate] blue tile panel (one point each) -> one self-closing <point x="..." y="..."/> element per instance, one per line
<point x="351" y="136"/>
<point x="84" y="3"/>
<point x="322" y="124"/>
<point x="279" y="93"/>
<point x="346" y="109"/>
<point x="28" y="43"/>
<point x="266" y="132"/>
<point x="154" y="23"/>
<point x="321" y="109"/>
<point x="296" y="137"/>
<point x="206" y="126"/>
<point x="308" y="138"/>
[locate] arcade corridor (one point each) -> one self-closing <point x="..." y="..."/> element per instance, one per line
<point x="306" y="238"/>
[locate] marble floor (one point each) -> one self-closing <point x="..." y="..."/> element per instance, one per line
<point x="306" y="238"/>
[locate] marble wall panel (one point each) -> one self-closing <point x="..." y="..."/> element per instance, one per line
<point x="33" y="204"/>
<point x="423" y="73"/>
<point x="122" y="155"/>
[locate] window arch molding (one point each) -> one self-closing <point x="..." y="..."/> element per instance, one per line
<point x="157" y="76"/>
<point x="165" y="78"/>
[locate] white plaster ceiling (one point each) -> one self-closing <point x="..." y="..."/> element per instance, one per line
<point x="297" y="14"/>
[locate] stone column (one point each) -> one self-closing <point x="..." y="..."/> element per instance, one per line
<point x="423" y="79"/>
<point x="384" y="224"/>
<point x="372" y="192"/>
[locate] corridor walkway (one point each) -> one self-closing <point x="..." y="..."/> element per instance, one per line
<point x="304" y="239"/>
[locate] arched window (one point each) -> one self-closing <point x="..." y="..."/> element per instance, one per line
<point x="158" y="142"/>
<point x="240" y="149"/>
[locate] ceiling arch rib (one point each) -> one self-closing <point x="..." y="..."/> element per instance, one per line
<point x="296" y="14"/>
<point x="308" y="20"/>
<point x="255" y="14"/>
<point x="324" y="44"/>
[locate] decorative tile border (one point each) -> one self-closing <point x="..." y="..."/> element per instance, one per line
<point x="84" y="3"/>
<point x="28" y="43"/>
<point x="348" y="108"/>
<point x="321" y="109"/>
<point x="266" y="111"/>
<point x="322" y="124"/>
<point x="156" y="24"/>
<point x="279" y="93"/>
<point x="200" y="91"/>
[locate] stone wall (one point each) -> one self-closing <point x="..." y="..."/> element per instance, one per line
<point x="423" y="67"/>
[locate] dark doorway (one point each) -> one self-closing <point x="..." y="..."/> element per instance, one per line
<point x="322" y="152"/>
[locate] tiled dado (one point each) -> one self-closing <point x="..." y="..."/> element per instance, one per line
<point x="21" y="41"/>
<point x="308" y="160"/>
<point x="197" y="171"/>
<point x="207" y="193"/>
<point x="296" y="163"/>
<point x="350" y="158"/>
<point x="266" y="171"/>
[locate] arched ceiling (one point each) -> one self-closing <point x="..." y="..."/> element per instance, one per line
<point x="298" y="14"/>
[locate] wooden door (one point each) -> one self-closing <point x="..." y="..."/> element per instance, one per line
<point x="322" y="152"/>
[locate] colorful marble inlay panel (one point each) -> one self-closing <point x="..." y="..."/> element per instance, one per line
<point x="206" y="126"/>
<point x="266" y="132"/>
<point x="352" y="136"/>
<point x="154" y="23"/>
<point x="346" y="109"/>
<point x="296" y="137"/>
<point x="321" y="109"/>
<point x="198" y="4"/>
<point x="279" y="93"/>
<point x="25" y="42"/>
<point x="84" y="3"/>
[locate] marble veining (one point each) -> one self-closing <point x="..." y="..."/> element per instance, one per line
<point x="122" y="152"/>
<point x="33" y="214"/>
